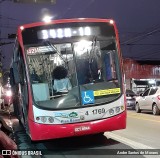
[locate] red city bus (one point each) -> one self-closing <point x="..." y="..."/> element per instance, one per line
<point x="67" y="78"/>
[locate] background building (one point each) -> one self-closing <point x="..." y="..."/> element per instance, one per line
<point x="140" y="75"/>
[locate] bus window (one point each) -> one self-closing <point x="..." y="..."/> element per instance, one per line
<point x="72" y="67"/>
<point x="110" y="67"/>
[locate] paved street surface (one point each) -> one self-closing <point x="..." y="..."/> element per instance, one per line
<point x="143" y="128"/>
<point x="142" y="133"/>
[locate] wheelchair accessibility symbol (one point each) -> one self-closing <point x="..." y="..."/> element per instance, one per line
<point x="87" y="97"/>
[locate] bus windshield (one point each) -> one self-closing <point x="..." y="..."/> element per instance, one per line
<point x="74" y="71"/>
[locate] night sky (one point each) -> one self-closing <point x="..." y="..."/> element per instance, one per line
<point x="138" y="22"/>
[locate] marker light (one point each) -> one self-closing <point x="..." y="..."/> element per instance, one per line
<point x="122" y="107"/>
<point x="21" y="27"/>
<point x="111" y="22"/>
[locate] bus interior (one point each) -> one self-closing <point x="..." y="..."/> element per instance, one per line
<point x="59" y="72"/>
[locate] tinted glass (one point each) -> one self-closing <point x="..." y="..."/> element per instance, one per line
<point x="153" y="91"/>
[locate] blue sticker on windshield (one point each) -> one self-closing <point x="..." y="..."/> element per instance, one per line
<point x="87" y="97"/>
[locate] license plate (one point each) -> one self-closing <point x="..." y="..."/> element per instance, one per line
<point x="82" y="128"/>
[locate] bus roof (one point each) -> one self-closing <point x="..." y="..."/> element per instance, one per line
<point x="65" y="21"/>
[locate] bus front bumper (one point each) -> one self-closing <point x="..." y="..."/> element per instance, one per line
<point x="44" y="131"/>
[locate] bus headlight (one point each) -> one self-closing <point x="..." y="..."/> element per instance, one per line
<point x="117" y="109"/>
<point x="111" y="111"/>
<point x="50" y="119"/>
<point x="44" y="119"/>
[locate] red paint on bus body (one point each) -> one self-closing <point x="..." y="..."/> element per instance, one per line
<point x="43" y="132"/>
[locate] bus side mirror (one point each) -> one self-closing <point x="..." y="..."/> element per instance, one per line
<point x="15" y="74"/>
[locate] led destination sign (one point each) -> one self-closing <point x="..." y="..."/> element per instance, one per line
<point x="68" y="32"/>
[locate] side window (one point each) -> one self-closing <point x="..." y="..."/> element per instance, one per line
<point x="146" y="92"/>
<point x="18" y="58"/>
<point x="153" y="91"/>
<point x="23" y="78"/>
<point x="15" y="56"/>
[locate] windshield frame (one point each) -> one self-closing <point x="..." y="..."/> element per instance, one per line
<point x="102" y="103"/>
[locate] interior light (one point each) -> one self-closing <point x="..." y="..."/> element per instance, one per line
<point x="82" y="47"/>
<point x="57" y="60"/>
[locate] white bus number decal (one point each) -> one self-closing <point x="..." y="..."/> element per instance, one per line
<point x="96" y="111"/>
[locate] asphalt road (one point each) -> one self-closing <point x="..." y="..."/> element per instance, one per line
<point x="143" y="128"/>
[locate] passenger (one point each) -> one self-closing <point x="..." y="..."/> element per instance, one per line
<point x="61" y="83"/>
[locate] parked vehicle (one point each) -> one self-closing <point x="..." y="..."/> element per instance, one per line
<point x="131" y="99"/>
<point x="149" y="100"/>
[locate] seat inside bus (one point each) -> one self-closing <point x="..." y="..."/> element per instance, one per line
<point x="41" y="91"/>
